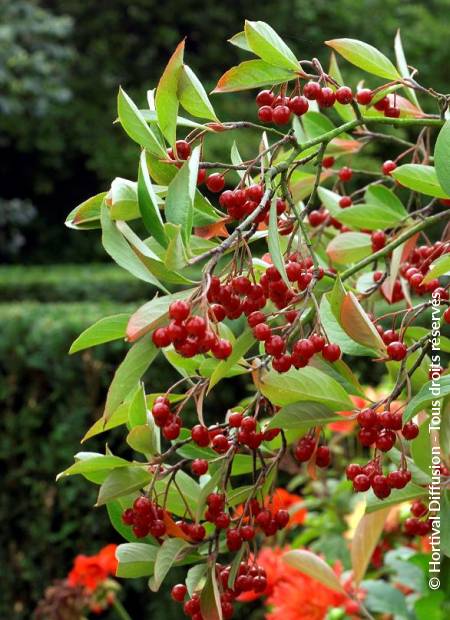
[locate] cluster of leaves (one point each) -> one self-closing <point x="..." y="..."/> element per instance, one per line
<point x="343" y="276"/>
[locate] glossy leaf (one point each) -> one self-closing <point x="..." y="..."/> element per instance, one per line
<point x="312" y="565"/>
<point x="337" y="334"/>
<point x="265" y="43"/>
<point x="123" y="200"/>
<point x="419" y="178"/>
<point x="240" y="348"/>
<point x="365" y="57"/>
<point x="240" y="40"/>
<point x="349" y="247"/>
<point x="397" y="496"/>
<point x="106" y="329"/>
<point x="304" y="384"/>
<point x="403" y="67"/>
<point x="129" y="373"/>
<point x="358" y="326"/>
<point x="252" y="74"/>
<point x="170" y="551"/>
<point x="273" y="242"/>
<point x="193" y="96"/>
<point x="422" y="400"/>
<point x="303" y="415"/>
<point x="194" y="576"/>
<point x="365" y="539"/>
<point x="135" y="560"/>
<point x="442" y="157"/>
<point x="369" y="217"/>
<point x="89" y="462"/>
<point x="122" y="481"/>
<point x="384" y="197"/>
<point x="166" y="99"/>
<point x="439" y="267"/>
<point x="87" y="214"/>
<point x="136" y="127"/>
<point x="210" y="605"/>
<point x="181" y="193"/>
<point x="148" y="203"/>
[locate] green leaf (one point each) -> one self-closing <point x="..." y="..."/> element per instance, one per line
<point x="122" y="481"/>
<point x="273" y="242"/>
<point x="175" y="258"/>
<point x="381" y="597"/>
<point x="89" y="462"/>
<point x="180" y="195"/>
<point x="128" y="374"/>
<point x="119" y="417"/>
<point x="148" y="203"/>
<point x="136" y="127"/>
<point x="445" y="523"/>
<point x="252" y="74"/>
<point x="311" y="564"/>
<point x="337" y="334"/>
<point x="190" y="489"/>
<point x="420" y="448"/>
<point x="403" y="67"/>
<point x="423" y="400"/>
<point x="170" y="551"/>
<point x="123" y="199"/>
<point x="397" y="496"/>
<point x="304" y="384"/>
<point x="106" y="329"/>
<point x="365" y="538"/>
<point x="315" y="124"/>
<point x="142" y="439"/>
<point x="346" y="112"/>
<point x="349" y="247"/>
<point x="193" y="96"/>
<point x="304" y="415"/>
<point x="210" y="605"/>
<point x="87" y="214"/>
<point x="442" y="157"/>
<point x="365" y="57"/>
<point x="330" y="200"/>
<point x="355" y="322"/>
<point x="137" y="410"/>
<point x="265" y="43"/>
<point x="240" y="348"/>
<point x="117" y="247"/>
<point x="194" y="576"/>
<point x="240" y="40"/>
<point x="206" y="489"/>
<point x="419" y="178"/>
<point x="439" y="267"/>
<point x="135" y="560"/>
<point x="369" y="216"/>
<point x="166" y="99"/>
<point x="384" y="197"/>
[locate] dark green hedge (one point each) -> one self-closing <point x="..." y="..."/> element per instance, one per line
<point x="96" y="282"/>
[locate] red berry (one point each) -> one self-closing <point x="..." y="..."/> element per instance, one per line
<point x="201" y="176"/>
<point x="220" y="444"/>
<point x="299" y="105"/>
<point x="364" y="96"/>
<point x="304" y="449"/>
<point x="262" y="331"/>
<point x="345" y="173"/>
<point x="265" y="114"/>
<point x="323" y="456"/>
<point x="367" y="418"/>
<point x="345" y="202"/>
<point x="179" y="310"/>
<point x="171" y="431"/>
<point x="352" y="471"/>
<point x="392" y="112"/>
<point x="178" y="592"/>
<point x="328" y="162"/>
<point x="234" y="540"/>
<point x="128" y="516"/>
<point x="304" y="348"/>
<point x="254" y="193"/>
<point x="161" y="337"/>
<point x="381" y="104"/>
<point x="235" y="420"/>
<point x="282" y="518"/>
<point x="281" y="114"/>
<point x="200" y="435"/>
<point x="397" y="350"/>
<point x="158" y="528"/>
<point x="196" y="326"/>
<point x="331" y="352"/>
<point x="247" y="532"/>
<point x="274" y="346"/>
<point x="264" y="98"/>
<point x="222" y="521"/>
<point x="385" y="441"/>
<point x="326" y="97"/>
<point x="221" y="349"/>
<point x="199" y="467"/>
<point x="446" y="315"/>
<point x="248" y="424"/>
<point x="183" y="149"/>
<point x="418" y="508"/>
<point x="318" y="342"/>
<point x="316" y="218"/>
<point x="378" y="239"/>
<point x="312" y="90"/>
<point x="361" y="482"/>
<point x="396" y="479"/>
<point x="215" y="182"/>
<point x="388" y="167"/>
<point x="410" y="431"/>
<point x="282" y="363"/>
<point x="344" y="95"/>
<point x="367" y="436"/>
<point x="381" y="486"/>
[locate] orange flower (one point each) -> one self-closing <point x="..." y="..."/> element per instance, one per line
<point x="283" y="500"/>
<point x="347" y="426"/>
<point x="90" y="571"/>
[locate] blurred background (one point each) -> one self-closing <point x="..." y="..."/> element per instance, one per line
<point x="61" y="63"/>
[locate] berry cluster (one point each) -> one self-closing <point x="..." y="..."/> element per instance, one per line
<point x="190" y="334"/>
<point x="145" y="517"/>
<point x="418" y="524"/>
<point x="385" y="104"/>
<point x="241" y="202"/>
<point x="278" y="108"/>
<point x="417" y="265"/>
<point x="164" y="418"/>
<point x="307" y="448"/>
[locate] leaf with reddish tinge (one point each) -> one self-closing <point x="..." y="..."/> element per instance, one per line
<point x="166" y="99"/>
<point x="358" y="326"/>
<point x="252" y="74"/>
<point x="349" y="247"/>
<point x="312" y="565"/>
<point x="365" y="539"/>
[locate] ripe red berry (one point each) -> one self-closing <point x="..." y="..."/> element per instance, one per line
<point x="274" y="346"/>
<point x="158" y="528"/>
<point x="298" y="105"/>
<point x="215" y="182"/>
<point x="378" y="239"/>
<point x="178" y="592"/>
<point x="161" y="337"/>
<point x="367" y="436"/>
<point x="171" y="431"/>
<point x="262" y="331"/>
<point x="385" y="441"/>
<point x="316" y="218"/>
<point x="235" y="419"/>
<point x="318" y="342"/>
<point x="199" y="467"/>
<point x="265" y="97"/>
<point x="247" y="532"/>
<point x="282" y="518"/>
<point x="200" y="435"/>
<point x="388" y="167"/>
<point x="192" y="606"/>
<point x="221" y="349"/>
<point x="344" y="95"/>
<point x="352" y="470"/>
<point x="345" y="173"/>
<point x="220" y="444"/>
<point x="345" y="202"/>
<point x="201" y="176"/>
<point x="304" y="348"/>
<point x="328" y="162"/>
<point x="397" y="350"/>
<point x="367" y="418"/>
<point x="446" y="315"/>
<point x="381" y="104"/>
<point x="282" y="363"/>
<point x="323" y="456"/>
<point x="222" y="521"/>
<point x="361" y="482"/>
<point x="418" y="508"/>
<point x="392" y="112"/>
<point x="183" y="149"/>
<point x="265" y="113"/>
<point x="331" y="352"/>
<point x="281" y="115"/>
<point x="179" y="310"/>
<point x="312" y="90"/>
<point x="304" y="449"/>
<point x="234" y="540"/>
<point x="381" y="486"/>
<point x="364" y="96"/>
<point x="410" y="431"/>
<point x="326" y="97"/>
<point x="128" y="516"/>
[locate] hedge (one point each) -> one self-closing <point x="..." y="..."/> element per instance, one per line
<point x="49" y="283"/>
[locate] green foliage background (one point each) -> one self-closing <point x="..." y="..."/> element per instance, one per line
<point x="61" y="62"/>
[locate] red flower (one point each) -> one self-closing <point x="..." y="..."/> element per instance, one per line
<point x="90" y="571"/>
